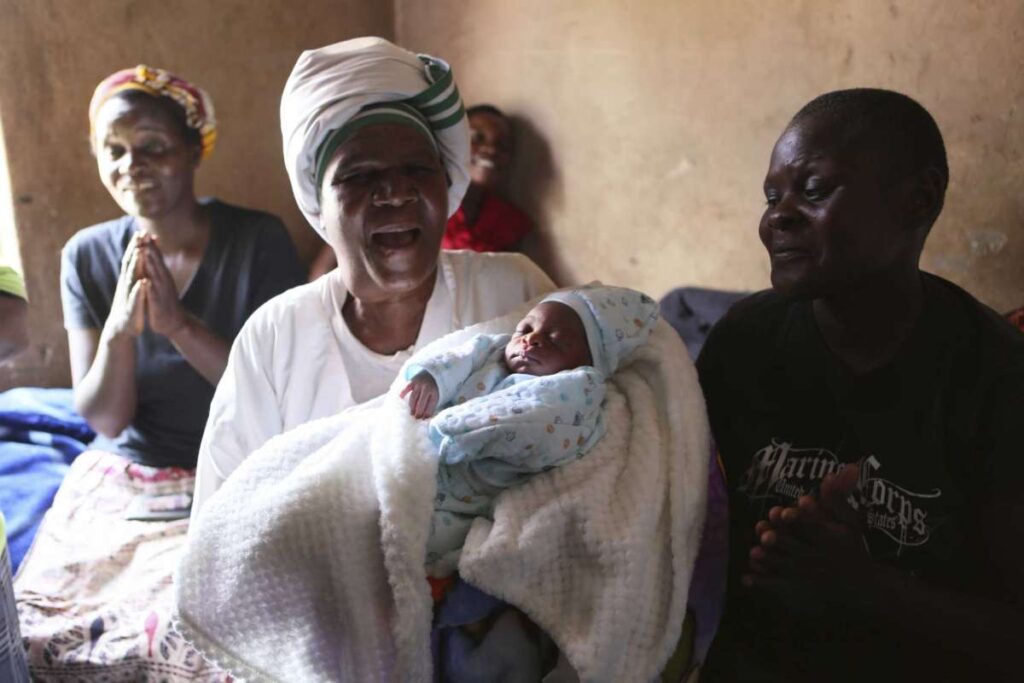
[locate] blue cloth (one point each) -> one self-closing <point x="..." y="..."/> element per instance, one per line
<point x="510" y="650"/>
<point x="495" y="429"/>
<point x="40" y="434"/>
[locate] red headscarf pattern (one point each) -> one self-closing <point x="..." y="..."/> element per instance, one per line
<point x="160" y="83"/>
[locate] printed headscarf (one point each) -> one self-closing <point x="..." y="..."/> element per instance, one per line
<point x="617" y="321"/>
<point x="335" y="90"/>
<point x="160" y="83"/>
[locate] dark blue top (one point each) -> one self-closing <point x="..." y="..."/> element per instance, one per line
<point x="249" y="259"/>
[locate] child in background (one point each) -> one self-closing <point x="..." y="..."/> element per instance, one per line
<point x="513" y="405"/>
<point x="485" y="221"/>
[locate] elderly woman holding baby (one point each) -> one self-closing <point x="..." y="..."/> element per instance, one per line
<point x="377" y="152"/>
<point x="376" y="147"/>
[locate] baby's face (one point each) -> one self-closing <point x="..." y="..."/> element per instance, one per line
<point x="551" y="338"/>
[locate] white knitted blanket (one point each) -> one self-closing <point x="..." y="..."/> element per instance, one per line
<point x="308" y="564"/>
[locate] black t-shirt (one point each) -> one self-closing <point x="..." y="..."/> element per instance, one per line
<point x="934" y="431"/>
<point x="249" y="259"/>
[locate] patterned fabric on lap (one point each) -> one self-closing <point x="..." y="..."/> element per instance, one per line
<point x="94" y="590"/>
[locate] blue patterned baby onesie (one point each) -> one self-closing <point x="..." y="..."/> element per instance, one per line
<point x="496" y="429"/>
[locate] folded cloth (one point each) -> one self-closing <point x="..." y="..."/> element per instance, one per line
<point x="29" y="409"/>
<point x="319" y="539"/>
<point x="94" y="592"/>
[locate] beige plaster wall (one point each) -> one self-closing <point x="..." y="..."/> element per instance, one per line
<point x="649" y="123"/>
<point x="54" y="52"/>
<point x="644" y="127"/>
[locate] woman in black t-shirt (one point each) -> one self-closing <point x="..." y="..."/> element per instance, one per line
<point x="866" y="414"/>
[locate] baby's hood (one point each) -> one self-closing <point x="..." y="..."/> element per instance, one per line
<point x="617" y="320"/>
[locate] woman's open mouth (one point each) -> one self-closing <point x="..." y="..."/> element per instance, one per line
<point x="395" y="238"/>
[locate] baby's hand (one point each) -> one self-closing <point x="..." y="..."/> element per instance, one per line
<point x="424" y="395"/>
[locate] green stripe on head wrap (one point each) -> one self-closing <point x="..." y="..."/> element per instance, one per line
<point x="443" y="79"/>
<point x="440" y="103"/>
<point x="380" y="113"/>
<point x="451" y="120"/>
<point x="436" y="108"/>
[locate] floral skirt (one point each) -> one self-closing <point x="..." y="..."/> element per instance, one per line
<point x="94" y="591"/>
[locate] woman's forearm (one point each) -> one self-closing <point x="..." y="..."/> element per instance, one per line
<point x="106" y="394"/>
<point x="206" y="352"/>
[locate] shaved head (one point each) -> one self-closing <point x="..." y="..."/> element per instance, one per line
<point x="895" y="127"/>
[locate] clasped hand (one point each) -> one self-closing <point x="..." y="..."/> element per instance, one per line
<point x="812" y="552"/>
<point x="145" y="292"/>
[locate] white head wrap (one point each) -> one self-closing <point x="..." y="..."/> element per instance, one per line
<point x="329" y="86"/>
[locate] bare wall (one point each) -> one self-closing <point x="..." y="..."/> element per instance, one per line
<point x="56" y="51"/>
<point x="648" y="125"/>
<point x="644" y="127"/>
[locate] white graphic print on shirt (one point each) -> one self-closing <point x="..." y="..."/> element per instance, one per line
<point x="782" y="472"/>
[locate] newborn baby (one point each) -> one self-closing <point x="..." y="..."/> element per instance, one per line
<point x="515" y="405"/>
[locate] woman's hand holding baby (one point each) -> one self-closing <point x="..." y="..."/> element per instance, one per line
<point x="423" y="394"/>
